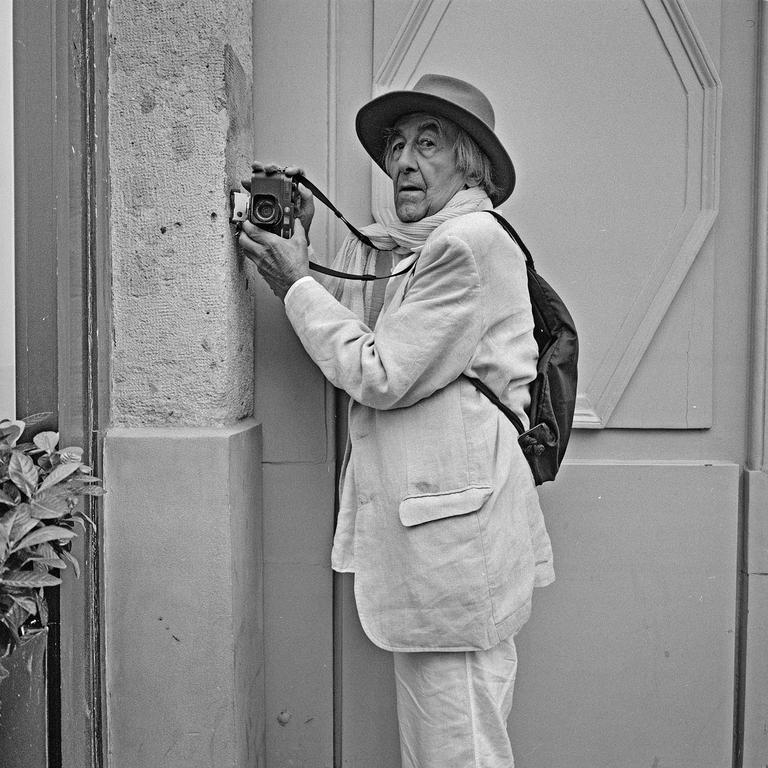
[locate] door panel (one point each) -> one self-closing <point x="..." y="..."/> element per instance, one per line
<point x="628" y="658"/>
<point x="612" y="112"/>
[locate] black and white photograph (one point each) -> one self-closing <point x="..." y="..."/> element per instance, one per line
<point x="384" y="384"/>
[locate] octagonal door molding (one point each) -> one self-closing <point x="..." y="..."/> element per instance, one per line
<point x="634" y="202"/>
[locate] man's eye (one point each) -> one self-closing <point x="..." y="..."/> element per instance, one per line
<point x="397" y="146"/>
<point x="426" y="143"/>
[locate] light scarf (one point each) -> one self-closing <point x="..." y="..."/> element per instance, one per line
<point x="394" y="240"/>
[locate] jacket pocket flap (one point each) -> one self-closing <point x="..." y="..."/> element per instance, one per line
<point x="416" y="510"/>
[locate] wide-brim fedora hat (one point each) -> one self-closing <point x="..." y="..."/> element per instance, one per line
<point x="442" y="96"/>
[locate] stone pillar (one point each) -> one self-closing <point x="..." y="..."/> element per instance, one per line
<point x="182" y="466"/>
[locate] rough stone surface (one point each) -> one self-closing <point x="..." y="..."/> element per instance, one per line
<point x="180" y="136"/>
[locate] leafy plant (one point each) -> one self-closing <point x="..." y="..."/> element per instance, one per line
<point x="41" y="486"/>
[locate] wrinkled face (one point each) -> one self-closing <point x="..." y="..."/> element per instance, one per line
<point x="422" y="164"/>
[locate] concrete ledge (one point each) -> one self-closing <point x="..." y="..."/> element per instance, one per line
<point x="183" y="597"/>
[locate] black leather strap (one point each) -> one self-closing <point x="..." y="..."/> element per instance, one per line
<point x="323" y="199"/>
<point x="510" y="230"/>
<point x="479" y="385"/>
<point x="356" y="232"/>
<point x="508" y="412"/>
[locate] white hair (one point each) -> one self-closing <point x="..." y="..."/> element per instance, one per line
<point x="471" y="161"/>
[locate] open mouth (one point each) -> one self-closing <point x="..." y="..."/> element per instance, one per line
<point x="409" y="188"/>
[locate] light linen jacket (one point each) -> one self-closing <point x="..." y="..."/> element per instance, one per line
<point x="440" y="518"/>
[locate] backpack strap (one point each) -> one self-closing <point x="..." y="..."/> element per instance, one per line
<point x="488" y="392"/>
<point x="512" y="232"/>
<point x="479" y="385"/>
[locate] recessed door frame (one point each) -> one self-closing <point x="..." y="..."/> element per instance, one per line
<point x="61" y="185"/>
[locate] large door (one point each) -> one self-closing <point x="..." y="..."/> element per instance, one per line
<point x="631" y="125"/>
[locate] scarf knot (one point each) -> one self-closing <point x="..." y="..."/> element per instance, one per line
<point x="393" y="240"/>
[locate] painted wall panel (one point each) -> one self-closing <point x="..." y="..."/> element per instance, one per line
<point x="612" y="115"/>
<point x="612" y="148"/>
<point x="629" y="657"/>
<point x="369" y="735"/>
<point x="298" y="593"/>
<point x="290" y="396"/>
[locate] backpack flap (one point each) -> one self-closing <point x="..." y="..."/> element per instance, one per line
<point x="553" y="391"/>
<point x="540" y="448"/>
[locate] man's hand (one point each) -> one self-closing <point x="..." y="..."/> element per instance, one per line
<point x="280" y="262"/>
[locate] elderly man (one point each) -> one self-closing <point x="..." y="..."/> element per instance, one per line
<point x="439" y="518"/>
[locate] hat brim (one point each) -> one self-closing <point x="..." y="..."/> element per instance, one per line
<point x="384" y="111"/>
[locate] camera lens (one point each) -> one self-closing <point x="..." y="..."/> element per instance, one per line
<point x="266" y="210"/>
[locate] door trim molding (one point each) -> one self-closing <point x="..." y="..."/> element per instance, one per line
<point x="84" y="347"/>
<point x="758" y="407"/>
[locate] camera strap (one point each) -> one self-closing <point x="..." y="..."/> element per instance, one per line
<point x="356" y="232"/>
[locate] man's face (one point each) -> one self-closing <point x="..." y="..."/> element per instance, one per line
<point x="422" y="165"/>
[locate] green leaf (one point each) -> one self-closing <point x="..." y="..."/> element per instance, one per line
<point x="23" y="473"/>
<point x="10" y="431"/>
<point x="45" y="562"/>
<point x="5" y="538"/>
<point x="58" y="473"/>
<point x="46" y="533"/>
<point x="29" y="579"/>
<point x="90" y="522"/>
<point x="46" y="441"/>
<point x="72" y="453"/>
<point x="12" y="492"/>
<point x="42" y="607"/>
<point x="9" y="632"/>
<point x="26" y="603"/>
<point x="49" y="508"/>
<point x="5" y="498"/>
<point x="72" y="559"/>
<point x="22" y="523"/>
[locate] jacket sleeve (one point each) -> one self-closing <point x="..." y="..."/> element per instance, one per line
<point x="418" y="348"/>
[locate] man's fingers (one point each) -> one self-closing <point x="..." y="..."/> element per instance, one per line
<point x="259" y="235"/>
<point x="273" y="167"/>
<point x="305" y="194"/>
<point x="268" y="168"/>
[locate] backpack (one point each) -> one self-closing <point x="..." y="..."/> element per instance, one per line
<point x="553" y="392"/>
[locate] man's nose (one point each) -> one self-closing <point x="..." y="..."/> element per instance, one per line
<point x="406" y="162"/>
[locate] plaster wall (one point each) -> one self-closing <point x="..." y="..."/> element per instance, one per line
<point x="180" y="137"/>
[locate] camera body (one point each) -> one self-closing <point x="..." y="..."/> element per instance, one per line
<point x="270" y="204"/>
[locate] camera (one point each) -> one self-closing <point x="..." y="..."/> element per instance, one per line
<point x="269" y="205"/>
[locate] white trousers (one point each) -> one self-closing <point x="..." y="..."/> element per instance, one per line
<point x="452" y="708"/>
